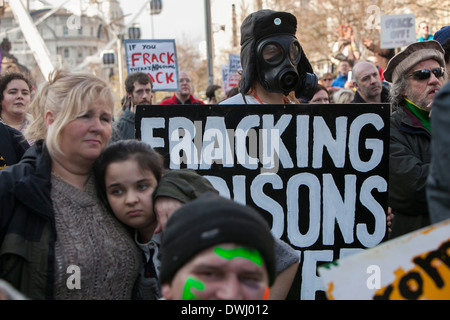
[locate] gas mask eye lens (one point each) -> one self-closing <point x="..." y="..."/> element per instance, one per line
<point x="272" y="53"/>
<point x="294" y="52"/>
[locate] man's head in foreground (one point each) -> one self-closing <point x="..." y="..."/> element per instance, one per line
<point x="214" y="248"/>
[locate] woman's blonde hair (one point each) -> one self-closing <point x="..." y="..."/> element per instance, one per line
<point x="67" y="95"/>
<point x="343" y="96"/>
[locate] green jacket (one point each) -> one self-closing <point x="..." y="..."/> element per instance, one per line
<point x="183" y="184"/>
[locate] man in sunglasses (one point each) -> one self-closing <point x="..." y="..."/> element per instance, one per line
<point x="416" y="74"/>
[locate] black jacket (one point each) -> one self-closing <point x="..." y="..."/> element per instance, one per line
<point x="12" y="146"/>
<point x="409" y="161"/>
<point x="27" y="229"/>
<point x="384" y="96"/>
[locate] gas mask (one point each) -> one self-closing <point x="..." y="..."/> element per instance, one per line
<point x="280" y="68"/>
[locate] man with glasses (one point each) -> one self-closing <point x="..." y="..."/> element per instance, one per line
<point x="139" y="88"/>
<point x="184" y="96"/>
<point x="416" y="74"/>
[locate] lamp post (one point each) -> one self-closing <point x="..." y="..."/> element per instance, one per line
<point x="134" y="32"/>
<point x="154" y="7"/>
<point x="108" y="57"/>
<point x="209" y="51"/>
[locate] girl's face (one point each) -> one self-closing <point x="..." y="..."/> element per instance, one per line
<point x="16" y="98"/>
<point x="129" y="190"/>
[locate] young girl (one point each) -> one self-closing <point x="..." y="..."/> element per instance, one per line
<point x="142" y="196"/>
<point x="128" y="173"/>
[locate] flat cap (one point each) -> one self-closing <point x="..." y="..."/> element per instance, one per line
<point x="412" y="55"/>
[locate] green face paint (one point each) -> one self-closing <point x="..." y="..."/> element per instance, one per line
<point x="192" y="283"/>
<point x="252" y="255"/>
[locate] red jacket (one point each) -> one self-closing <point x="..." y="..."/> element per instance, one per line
<point x="174" y="100"/>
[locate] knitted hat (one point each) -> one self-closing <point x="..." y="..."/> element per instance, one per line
<point x="212" y="220"/>
<point x="412" y="55"/>
<point x="442" y="35"/>
<point x="259" y="25"/>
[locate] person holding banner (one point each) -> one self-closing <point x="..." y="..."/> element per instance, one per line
<point x="275" y="69"/>
<point x="185" y="95"/>
<point x="139" y="88"/>
<point x="417" y="73"/>
<point x="346" y="48"/>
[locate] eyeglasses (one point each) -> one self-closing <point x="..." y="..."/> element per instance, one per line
<point x="327" y="79"/>
<point x="426" y="73"/>
<point x="185" y="80"/>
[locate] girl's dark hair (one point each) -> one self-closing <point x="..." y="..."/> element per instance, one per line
<point x="7" y="78"/>
<point x="145" y="156"/>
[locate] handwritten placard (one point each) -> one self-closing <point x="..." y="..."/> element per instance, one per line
<point x="397" y="30"/>
<point x="157" y="58"/>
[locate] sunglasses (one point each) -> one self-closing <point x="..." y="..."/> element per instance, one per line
<point x="426" y="73"/>
<point x="327" y="79"/>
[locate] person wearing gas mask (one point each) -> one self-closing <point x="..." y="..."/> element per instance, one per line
<point x="275" y="71"/>
<point x="275" y="68"/>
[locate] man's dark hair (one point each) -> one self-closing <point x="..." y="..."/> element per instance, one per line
<point x="140" y="77"/>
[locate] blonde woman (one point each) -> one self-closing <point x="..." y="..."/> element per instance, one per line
<point x="57" y="239"/>
<point x="344" y="96"/>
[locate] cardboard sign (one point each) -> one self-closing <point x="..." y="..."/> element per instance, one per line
<point x="230" y="75"/>
<point x="157" y="58"/>
<point x="397" y="30"/>
<point x="411" y="267"/>
<point x="317" y="173"/>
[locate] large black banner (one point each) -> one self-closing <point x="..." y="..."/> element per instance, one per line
<point x="317" y="173"/>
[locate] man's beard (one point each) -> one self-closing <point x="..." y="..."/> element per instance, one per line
<point x="372" y="94"/>
<point x="421" y="102"/>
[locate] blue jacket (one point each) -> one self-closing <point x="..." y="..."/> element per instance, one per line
<point x="340" y="81"/>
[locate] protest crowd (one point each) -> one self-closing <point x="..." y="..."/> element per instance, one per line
<point x="82" y="194"/>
